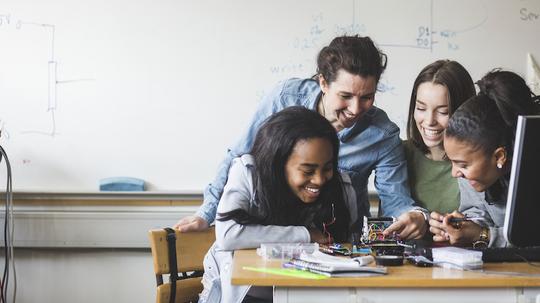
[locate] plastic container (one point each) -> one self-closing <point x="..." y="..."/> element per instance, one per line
<point x="285" y="250"/>
<point x="458" y="258"/>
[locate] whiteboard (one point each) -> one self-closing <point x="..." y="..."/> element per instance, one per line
<point x="159" y="89"/>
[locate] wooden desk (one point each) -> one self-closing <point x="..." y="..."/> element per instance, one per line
<point x="402" y="284"/>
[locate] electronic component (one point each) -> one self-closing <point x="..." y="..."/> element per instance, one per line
<point x="420" y="261"/>
<point x="360" y="251"/>
<point x="372" y="231"/>
<point x="381" y="244"/>
<point x="387" y="249"/>
<point x="384" y="260"/>
<point x="335" y="249"/>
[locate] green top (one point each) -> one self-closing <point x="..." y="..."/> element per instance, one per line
<point x="431" y="182"/>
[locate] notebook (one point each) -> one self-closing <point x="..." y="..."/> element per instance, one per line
<point x="333" y="266"/>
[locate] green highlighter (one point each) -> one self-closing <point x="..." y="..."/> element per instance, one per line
<point x="291" y="272"/>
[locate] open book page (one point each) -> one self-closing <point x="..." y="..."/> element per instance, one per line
<point x="329" y="260"/>
<point x="323" y="263"/>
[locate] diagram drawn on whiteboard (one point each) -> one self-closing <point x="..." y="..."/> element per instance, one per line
<point x="53" y="81"/>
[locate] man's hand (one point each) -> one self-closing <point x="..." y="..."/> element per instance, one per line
<point x="191" y="223"/>
<point x="410" y="225"/>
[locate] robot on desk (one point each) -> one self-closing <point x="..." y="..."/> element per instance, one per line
<point x="372" y="238"/>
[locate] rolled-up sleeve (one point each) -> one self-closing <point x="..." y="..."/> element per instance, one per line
<point x="391" y="177"/>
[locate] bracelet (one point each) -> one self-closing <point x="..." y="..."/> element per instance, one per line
<point x="424" y="214"/>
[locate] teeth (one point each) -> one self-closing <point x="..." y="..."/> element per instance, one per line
<point x="432" y="132"/>
<point x="311" y="189"/>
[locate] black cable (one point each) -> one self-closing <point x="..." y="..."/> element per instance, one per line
<point x="11" y="224"/>
<point x="6" y="256"/>
<point x="5" y="252"/>
<point x="528" y="261"/>
<point x="8" y="234"/>
<point x="5" y="276"/>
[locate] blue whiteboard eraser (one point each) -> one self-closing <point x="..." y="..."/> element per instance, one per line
<point x="121" y="184"/>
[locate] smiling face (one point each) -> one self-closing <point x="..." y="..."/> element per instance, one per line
<point x="347" y="98"/>
<point x="473" y="164"/>
<point x="309" y="167"/>
<point x="431" y="114"/>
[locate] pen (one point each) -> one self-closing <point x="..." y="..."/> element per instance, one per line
<point x="453" y="220"/>
<point x="335" y="249"/>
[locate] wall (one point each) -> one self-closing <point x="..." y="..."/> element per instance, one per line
<point x="70" y="250"/>
<point x="158" y="90"/>
<point x="84" y="275"/>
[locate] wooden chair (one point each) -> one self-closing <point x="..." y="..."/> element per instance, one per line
<point x="190" y="249"/>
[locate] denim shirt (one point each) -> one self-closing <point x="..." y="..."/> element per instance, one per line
<point x="372" y="143"/>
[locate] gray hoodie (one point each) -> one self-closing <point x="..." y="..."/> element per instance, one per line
<point x="239" y="192"/>
<point x="474" y="204"/>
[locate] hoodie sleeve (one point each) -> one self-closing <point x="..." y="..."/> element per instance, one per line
<point x="239" y="193"/>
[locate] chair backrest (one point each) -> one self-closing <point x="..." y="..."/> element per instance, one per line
<point x="191" y="247"/>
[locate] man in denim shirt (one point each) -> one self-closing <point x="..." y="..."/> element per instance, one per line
<point x="343" y="91"/>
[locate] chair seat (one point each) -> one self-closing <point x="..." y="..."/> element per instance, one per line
<point x="186" y="290"/>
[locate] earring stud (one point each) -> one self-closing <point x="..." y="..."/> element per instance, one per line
<point x="499" y="165"/>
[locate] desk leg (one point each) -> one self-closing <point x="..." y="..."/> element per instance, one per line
<point x="530" y="295"/>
